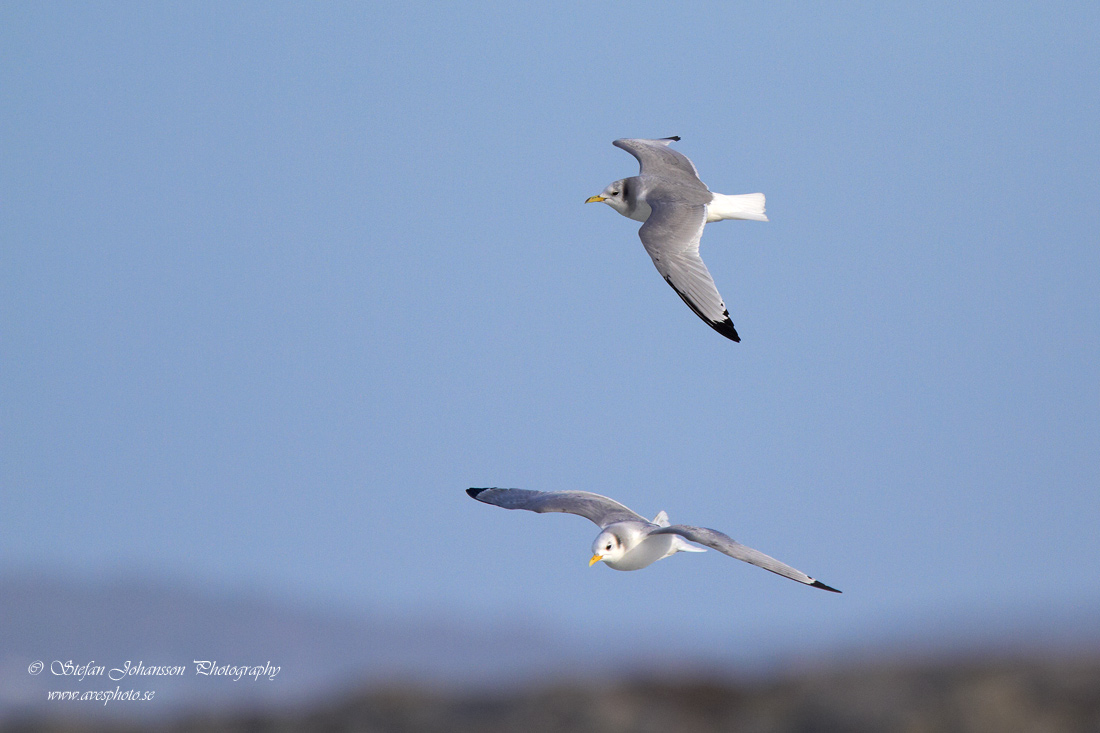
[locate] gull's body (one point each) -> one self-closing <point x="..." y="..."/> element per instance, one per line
<point x="674" y="206"/>
<point x="627" y="540"/>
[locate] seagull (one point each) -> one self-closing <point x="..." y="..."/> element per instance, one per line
<point x="627" y="541"/>
<point x="675" y="206"/>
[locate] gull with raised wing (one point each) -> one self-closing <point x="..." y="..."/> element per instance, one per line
<point x="627" y="540"/>
<point x="675" y="205"/>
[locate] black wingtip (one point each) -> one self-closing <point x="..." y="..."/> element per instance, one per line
<point x="674" y="138"/>
<point x="822" y="586"/>
<point x="726" y="329"/>
<point x="474" y="492"/>
<point x="723" y="327"/>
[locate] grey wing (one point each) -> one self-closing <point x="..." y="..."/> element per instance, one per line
<point x="723" y="543"/>
<point x="599" y="509"/>
<point x="658" y="159"/>
<point x="671" y="236"/>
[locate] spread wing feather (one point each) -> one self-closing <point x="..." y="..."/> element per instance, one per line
<point x="658" y="159"/>
<point x="596" y="508"/>
<point x="723" y="543"/>
<point x="671" y="236"/>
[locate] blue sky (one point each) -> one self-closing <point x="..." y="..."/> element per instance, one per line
<point x="279" y="282"/>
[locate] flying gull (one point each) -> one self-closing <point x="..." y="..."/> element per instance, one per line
<point x="675" y="206"/>
<point x="627" y="541"/>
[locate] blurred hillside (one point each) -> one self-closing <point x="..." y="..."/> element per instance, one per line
<point x="54" y="619"/>
<point x="1002" y="697"/>
<point x="347" y="670"/>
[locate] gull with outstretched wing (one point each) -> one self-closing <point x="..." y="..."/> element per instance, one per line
<point x="675" y="205"/>
<point x="627" y="541"/>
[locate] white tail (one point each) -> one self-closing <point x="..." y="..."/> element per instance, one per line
<point x="679" y="544"/>
<point x="738" y="206"/>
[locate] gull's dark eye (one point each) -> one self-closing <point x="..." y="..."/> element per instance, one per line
<point x="608" y="547"/>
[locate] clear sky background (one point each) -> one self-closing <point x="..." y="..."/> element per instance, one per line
<point x="279" y="282"/>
